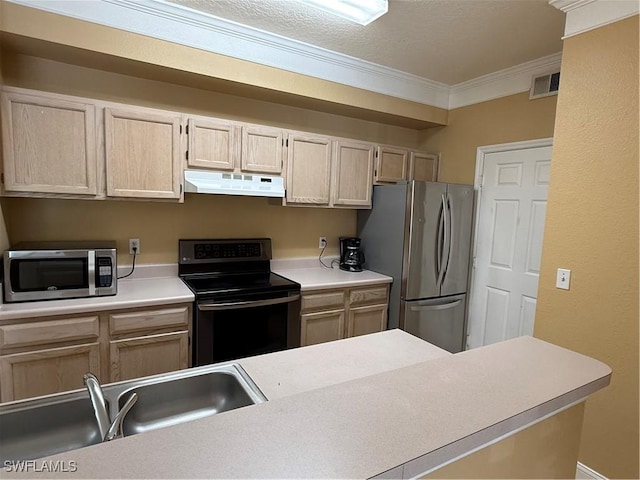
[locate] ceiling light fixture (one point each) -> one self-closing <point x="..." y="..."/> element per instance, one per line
<point x="360" y="11"/>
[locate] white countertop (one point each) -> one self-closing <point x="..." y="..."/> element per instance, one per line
<point x="325" y="364"/>
<point x="141" y="292"/>
<point x="159" y="285"/>
<point x="409" y="419"/>
<point x="319" y="278"/>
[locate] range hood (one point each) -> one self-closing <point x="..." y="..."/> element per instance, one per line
<point x="201" y="181"/>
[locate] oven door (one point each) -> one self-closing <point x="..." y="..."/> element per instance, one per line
<point x="46" y="275"/>
<point x="243" y="326"/>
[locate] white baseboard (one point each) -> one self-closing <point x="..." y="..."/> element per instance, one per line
<point x="586" y="473"/>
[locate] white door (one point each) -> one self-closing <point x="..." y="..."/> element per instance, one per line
<point x="512" y="203"/>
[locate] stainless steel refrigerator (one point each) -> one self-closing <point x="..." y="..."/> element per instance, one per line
<point x="419" y="233"/>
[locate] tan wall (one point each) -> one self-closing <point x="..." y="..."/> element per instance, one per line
<point x="294" y="231"/>
<point x="592" y="229"/>
<point x="508" y="119"/>
<point x="555" y="439"/>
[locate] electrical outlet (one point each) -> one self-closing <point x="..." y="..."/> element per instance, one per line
<point x="563" y="278"/>
<point x="134" y="243"/>
<point x="322" y="242"/>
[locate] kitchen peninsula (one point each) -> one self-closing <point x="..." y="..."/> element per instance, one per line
<point x="386" y="404"/>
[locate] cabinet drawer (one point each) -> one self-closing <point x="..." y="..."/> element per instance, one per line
<point x="148" y="320"/>
<point x="50" y="331"/>
<point x="368" y="296"/>
<point x="323" y="300"/>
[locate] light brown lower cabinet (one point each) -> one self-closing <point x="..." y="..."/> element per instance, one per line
<point x="148" y="355"/>
<point x="51" y="354"/>
<point x="364" y="320"/>
<point x="322" y="327"/>
<point x="50" y="370"/>
<point x="334" y="314"/>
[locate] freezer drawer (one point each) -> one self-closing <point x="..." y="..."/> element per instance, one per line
<point x="439" y="321"/>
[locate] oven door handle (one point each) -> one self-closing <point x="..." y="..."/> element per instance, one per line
<point x="208" y="307"/>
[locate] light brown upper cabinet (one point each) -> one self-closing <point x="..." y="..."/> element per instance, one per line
<point x="423" y="166"/>
<point x="308" y="169"/>
<point x="49" y="145"/>
<point x="391" y="164"/>
<point x="353" y="168"/>
<point x="142" y="148"/>
<point x="213" y="143"/>
<point x="261" y="149"/>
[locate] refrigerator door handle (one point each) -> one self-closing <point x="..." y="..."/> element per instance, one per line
<point x="448" y="237"/>
<point x="446" y="244"/>
<point x="445" y="306"/>
<point x="440" y="243"/>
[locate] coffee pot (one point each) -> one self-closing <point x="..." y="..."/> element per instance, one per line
<point x="351" y="258"/>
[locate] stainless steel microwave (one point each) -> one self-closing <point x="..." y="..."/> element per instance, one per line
<point x="54" y="270"/>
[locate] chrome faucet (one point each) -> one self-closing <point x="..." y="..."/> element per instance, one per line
<point x="108" y="430"/>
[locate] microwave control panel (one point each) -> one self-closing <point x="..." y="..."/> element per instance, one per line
<point x="104" y="274"/>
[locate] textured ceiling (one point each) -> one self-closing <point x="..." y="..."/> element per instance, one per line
<point x="449" y="41"/>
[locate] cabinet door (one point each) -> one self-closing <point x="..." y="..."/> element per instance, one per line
<point x="142" y="154"/>
<point x="353" y="169"/>
<point x="148" y="355"/>
<point x="212" y="144"/>
<point x="423" y="167"/>
<point x="321" y="327"/>
<point x="49" y="145"/>
<point x="364" y="320"/>
<point x="46" y="371"/>
<point x="308" y="169"/>
<point x="391" y="164"/>
<point x="261" y="149"/>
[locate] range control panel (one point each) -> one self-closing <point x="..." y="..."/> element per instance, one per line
<point x="229" y="250"/>
<point x="224" y="250"/>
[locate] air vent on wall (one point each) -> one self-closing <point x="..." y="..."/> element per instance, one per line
<point x="544" y="85"/>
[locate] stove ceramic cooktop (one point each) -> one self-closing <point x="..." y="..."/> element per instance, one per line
<point x="239" y="283"/>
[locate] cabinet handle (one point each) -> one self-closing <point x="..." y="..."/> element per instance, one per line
<point x="204" y="307"/>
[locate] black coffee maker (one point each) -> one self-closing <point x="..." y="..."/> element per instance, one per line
<point x="351" y="258"/>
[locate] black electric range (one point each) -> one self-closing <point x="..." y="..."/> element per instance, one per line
<point x="241" y="308"/>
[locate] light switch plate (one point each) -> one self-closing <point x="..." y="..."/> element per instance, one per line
<point x="563" y="278"/>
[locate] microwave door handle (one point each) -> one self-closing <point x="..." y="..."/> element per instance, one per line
<point x="91" y="267"/>
<point x="208" y="307"/>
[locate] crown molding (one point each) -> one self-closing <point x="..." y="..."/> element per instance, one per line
<point x="585" y="15"/>
<point x="192" y="28"/>
<point x="512" y="80"/>
<point x="184" y="26"/>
